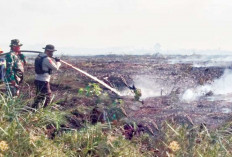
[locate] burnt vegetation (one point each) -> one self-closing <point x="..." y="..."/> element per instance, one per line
<point x="86" y="119"/>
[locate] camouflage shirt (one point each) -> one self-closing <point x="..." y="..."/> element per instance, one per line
<point x="14" y="67"/>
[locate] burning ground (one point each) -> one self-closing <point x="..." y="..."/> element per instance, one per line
<point x="174" y="91"/>
<point x="170" y="89"/>
<point x="163" y="86"/>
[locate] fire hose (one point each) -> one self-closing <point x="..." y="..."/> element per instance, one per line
<point x="93" y="77"/>
<point x="79" y="70"/>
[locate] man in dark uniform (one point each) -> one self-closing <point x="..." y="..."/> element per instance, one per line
<point x="44" y="65"/>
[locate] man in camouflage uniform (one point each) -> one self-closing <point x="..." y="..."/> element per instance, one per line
<point x="44" y="65"/>
<point x="15" y="62"/>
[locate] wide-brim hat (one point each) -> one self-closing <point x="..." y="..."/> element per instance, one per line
<point x="50" y="47"/>
<point x="15" y="42"/>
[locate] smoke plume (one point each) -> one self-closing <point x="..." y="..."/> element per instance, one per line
<point x="221" y="86"/>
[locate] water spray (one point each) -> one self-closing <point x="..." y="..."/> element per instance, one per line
<point x="93" y="77"/>
<point x="137" y="92"/>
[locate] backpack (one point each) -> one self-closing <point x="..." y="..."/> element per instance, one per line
<point x="38" y="65"/>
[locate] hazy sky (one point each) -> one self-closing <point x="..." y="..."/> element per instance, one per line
<point x="96" y="24"/>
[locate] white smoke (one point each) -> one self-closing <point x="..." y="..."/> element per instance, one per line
<point x="149" y="86"/>
<point x="221" y="86"/>
<point x="203" y="60"/>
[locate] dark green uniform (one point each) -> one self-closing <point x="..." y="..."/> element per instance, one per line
<point x="14" y="70"/>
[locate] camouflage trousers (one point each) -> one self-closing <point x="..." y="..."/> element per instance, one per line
<point x="12" y="91"/>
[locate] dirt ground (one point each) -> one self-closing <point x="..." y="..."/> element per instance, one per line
<point x="168" y="81"/>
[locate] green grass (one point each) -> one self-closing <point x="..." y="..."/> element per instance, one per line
<point x="27" y="134"/>
<point x="41" y="133"/>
